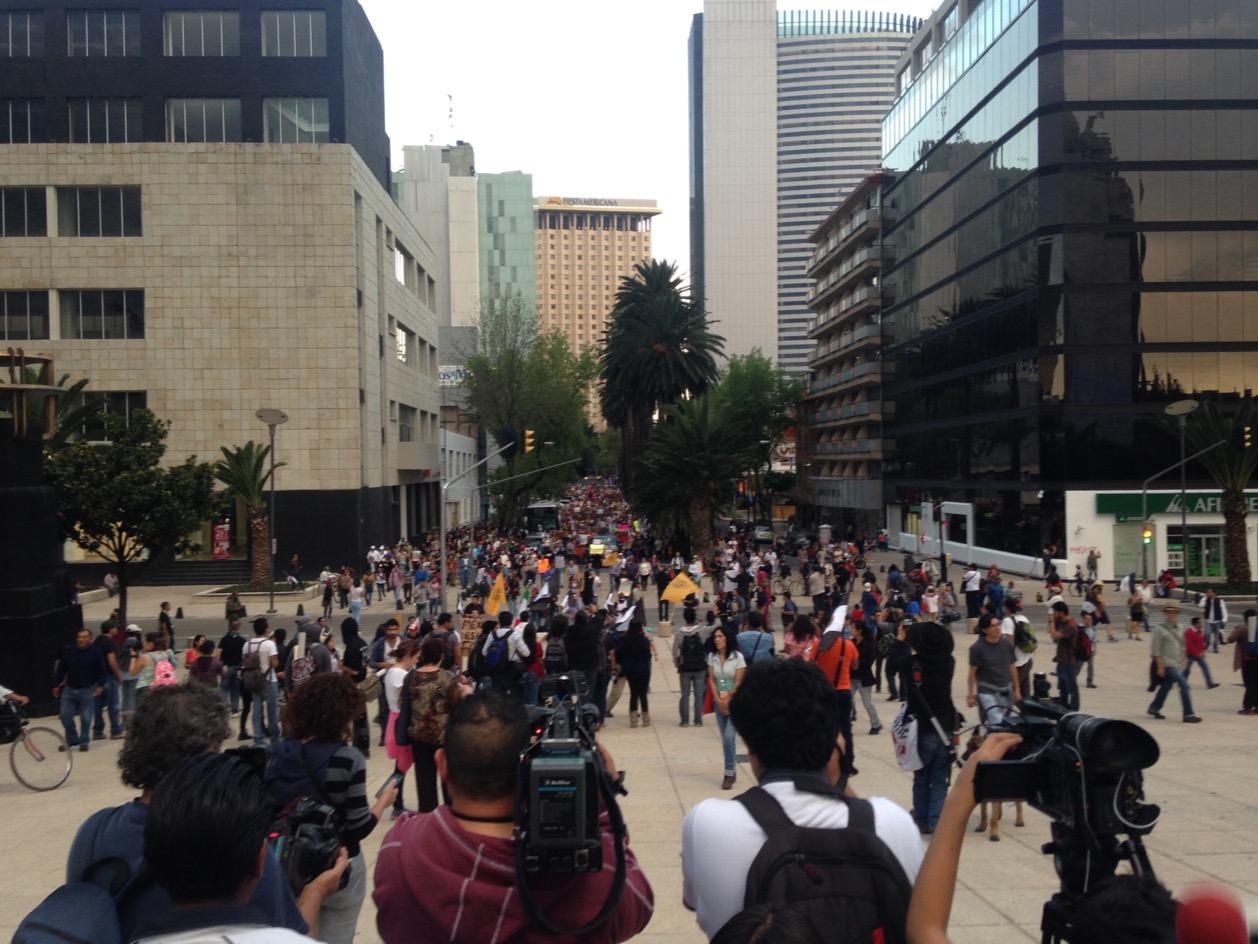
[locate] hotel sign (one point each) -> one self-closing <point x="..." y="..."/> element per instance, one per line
<point x="593" y="202"/>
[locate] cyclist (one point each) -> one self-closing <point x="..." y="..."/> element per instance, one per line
<point x="10" y="720"/>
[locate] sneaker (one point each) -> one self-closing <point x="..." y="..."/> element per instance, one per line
<point x="83" y="748"/>
<point x="683" y="724"/>
<point x="117" y="737"/>
<point x="243" y="736"/>
<point x="1154" y="713"/>
<point x="1192" y="719"/>
<point x="1213" y="685"/>
<point x="1247" y="711"/>
<point x="876" y="730"/>
<point x="98" y="736"/>
<point x="1089" y="685"/>
<point x="698" y="724"/>
<point x="728" y="782"/>
<point x="893" y="698"/>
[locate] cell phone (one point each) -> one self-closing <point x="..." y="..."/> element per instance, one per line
<point x="393" y="780"/>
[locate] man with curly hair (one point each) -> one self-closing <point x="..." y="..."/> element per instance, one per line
<point x="172" y="724"/>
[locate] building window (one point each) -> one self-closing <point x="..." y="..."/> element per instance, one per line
<point x="111" y="403"/>
<point x="23" y="211"/>
<point x="105" y="120"/>
<point x="95" y="33"/>
<point x="295" y="120"/>
<point x="98" y="211"/>
<point x="21" y="121"/>
<point x="102" y="314"/>
<point x="21" y="34"/>
<point x="299" y="33"/>
<point x="405" y="345"/>
<point x="24" y="316"/>
<point x="406" y="423"/>
<point x="951" y="20"/>
<point x="202" y="120"/>
<point x="201" y="34"/>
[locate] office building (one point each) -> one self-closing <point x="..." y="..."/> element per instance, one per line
<point x="1073" y="200"/>
<point x="843" y="409"/>
<point x="507" y="264"/>
<point x="583" y="247"/>
<point x="197" y="220"/>
<point x="786" y="108"/>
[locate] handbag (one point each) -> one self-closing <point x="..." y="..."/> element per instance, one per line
<point x="370" y="686"/>
<point x="904" y="737"/>
<point x="708" y="706"/>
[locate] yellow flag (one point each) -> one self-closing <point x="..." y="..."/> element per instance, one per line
<point x="497" y="601"/>
<point x="609" y="560"/>
<point x="679" y="588"/>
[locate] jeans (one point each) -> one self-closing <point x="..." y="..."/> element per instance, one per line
<point x="231" y="686"/>
<point x="338" y="918"/>
<point x="532" y="687"/>
<point x="1171" y="675"/>
<point x="663" y="610"/>
<point x="356" y="611"/>
<point x="1249" y="673"/>
<point x="1205" y="668"/>
<point x="867" y="699"/>
<point x="128" y="696"/>
<point x="77" y="703"/>
<point x="844" y="698"/>
<point x="993" y="706"/>
<point x="367" y="588"/>
<point x="1090" y="664"/>
<point x="688" y="681"/>
<point x="1214" y="635"/>
<point x="268" y="701"/>
<point x="1068" y="686"/>
<point x="728" y="741"/>
<point x="108" y="700"/>
<point x="930" y="783"/>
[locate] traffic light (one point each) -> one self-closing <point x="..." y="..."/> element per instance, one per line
<point x="585" y="465"/>
<point x="506" y="439"/>
<point x="528" y="442"/>
<point x="1146" y="534"/>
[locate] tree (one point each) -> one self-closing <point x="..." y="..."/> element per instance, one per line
<point x="659" y="350"/>
<point x="520" y="380"/>
<point x="70" y="411"/>
<point x="245" y="473"/>
<point x="1231" y="466"/>
<point x="116" y="500"/>
<point x="689" y="471"/>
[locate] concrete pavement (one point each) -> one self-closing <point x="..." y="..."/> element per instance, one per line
<point x="1204" y="782"/>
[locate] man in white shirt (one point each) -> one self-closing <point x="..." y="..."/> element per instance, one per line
<point x="1008" y="629"/>
<point x="798" y="765"/>
<point x="267" y="652"/>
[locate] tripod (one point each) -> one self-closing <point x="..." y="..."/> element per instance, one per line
<point x="1080" y="866"/>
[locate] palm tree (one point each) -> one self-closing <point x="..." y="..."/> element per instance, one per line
<point x="659" y="349"/>
<point x="689" y="472"/>
<point x="1231" y="466"/>
<point x="245" y="473"/>
<point x="70" y="412"/>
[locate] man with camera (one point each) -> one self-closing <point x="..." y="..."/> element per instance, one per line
<point x="450" y="875"/>
<point x="787" y="715"/>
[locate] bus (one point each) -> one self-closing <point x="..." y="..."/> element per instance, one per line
<point x="541" y="517"/>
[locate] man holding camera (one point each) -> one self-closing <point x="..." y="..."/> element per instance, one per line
<point x="450" y="875"/>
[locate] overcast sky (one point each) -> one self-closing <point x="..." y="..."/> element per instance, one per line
<point x="589" y="96"/>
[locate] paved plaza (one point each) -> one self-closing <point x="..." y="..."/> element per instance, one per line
<point x="1205" y="783"/>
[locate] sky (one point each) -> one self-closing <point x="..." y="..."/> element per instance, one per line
<point x="589" y="96"/>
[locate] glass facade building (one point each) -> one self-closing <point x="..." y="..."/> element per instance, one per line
<point x="1075" y="185"/>
<point x="506" y="237"/>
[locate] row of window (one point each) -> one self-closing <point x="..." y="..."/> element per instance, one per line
<point x="81" y="211"/>
<point x="188" y="121"/>
<point x="116" y="33"/>
<point x="86" y="315"/>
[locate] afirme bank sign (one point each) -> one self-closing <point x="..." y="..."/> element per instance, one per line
<point x="1126" y="505"/>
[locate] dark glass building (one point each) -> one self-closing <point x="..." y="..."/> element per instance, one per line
<point x="1075" y="246"/>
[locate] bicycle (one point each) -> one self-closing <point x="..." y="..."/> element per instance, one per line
<point x="39" y="757"/>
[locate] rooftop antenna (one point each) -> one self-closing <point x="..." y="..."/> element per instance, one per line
<point x="450" y="104"/>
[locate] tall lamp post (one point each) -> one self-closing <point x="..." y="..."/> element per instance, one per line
<point x="1181" y="410"/>
<point x="272" y="418"/>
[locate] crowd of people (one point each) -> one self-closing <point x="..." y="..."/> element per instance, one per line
<point x="445" y="693"/>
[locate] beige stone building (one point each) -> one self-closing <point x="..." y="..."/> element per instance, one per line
<point x="230" y="277"/>
<point x="583" y="246"/>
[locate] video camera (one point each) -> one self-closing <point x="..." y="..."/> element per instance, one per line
<point x="561" y="781"/>
<point x="1085" y="774"/>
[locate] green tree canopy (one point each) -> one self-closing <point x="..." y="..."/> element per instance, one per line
<point x="245" y="472"/>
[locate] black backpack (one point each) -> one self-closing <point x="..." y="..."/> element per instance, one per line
<point x="845" y="881"/>
<point x="555" y="661"/>
<point x="447" y="661"/>
<point x="692" y="655"/>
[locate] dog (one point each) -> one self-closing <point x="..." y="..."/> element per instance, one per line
<point x="976" y="740"/>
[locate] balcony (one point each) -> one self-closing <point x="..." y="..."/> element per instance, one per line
<point x="856" y="448"/>
<point x="868" y="221"/>
<point x="866" y="300"/>
<point x="870" y="372"/>
<point x="850" y="341"/>
<point x="863" y="410"/>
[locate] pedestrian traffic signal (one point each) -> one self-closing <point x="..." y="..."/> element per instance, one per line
<point x="528" y="441"/>
<point x="1146" y="534"/>
<point x="1242" y="436"/>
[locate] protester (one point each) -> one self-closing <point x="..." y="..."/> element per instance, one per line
<point x="79" y="679"/>
<point x="172" y="724"/>
<point x="110" y="700"/>
<point x="1170" y="660"/>
<point x="755" y="642"/>
<point x="230" y="649"/>
<point x="634" y="653"/>
<point x="863" y="681"/>
<point x="993" y="685"/>
<point x="313" y="759"/>
<point x="1195" y="650"/>
<point x="206" y="668"/>
<point x="1064" y="631"/>
<point x="404" y="658"/>
<point x="800" y="639"/>
<point x="838" y="658"/>
<point x="690" y="660"/>
<point x="259" y="665"/>
<point x="787" y="715"/>
<point x="450" y="875"/>
<point x="726" y="668"/>
<point x="928" y="688"/>
<point x="426" y="699"/>
<point x="1245" y="661"/>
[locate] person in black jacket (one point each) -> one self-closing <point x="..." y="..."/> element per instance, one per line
<point x="930" y="699"/>
<point x="354" y="664"/>
<point x="863" y="679"/>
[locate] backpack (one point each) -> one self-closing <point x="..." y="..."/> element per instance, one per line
<point x="846" y="882"/>
<point x="428" y="694"/>
<point x="555" y="661"/>
<point x="302" y="670"/>
<point x="164" y="672"/>
<point x="447" y="661"/>
<point x="498" y="654"/>
<point x="252" y="677"/>
<point x="1023" y="635"/>
<point x="693" y="658"/>
<point x="1082" y="644"/>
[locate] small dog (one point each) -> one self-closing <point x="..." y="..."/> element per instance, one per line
<point x="976" y="739"/>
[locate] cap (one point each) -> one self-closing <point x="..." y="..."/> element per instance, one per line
<point x="133" y="628"/>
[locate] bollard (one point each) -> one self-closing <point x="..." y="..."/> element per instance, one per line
<point x="882" y="568"/>
<point x="301" y="611"/>
<point x="179" y="613"/>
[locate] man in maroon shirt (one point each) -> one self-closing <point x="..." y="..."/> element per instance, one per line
<point x="450" y="876"/>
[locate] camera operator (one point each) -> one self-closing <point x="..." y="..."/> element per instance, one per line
<point x="205" y="843"/>
<point x="1122" y="910"/>
<point x="450" y="875"/>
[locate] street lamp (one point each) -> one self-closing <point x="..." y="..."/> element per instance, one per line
<point x="272" y="419"/>
<point x="1181" y="409"/>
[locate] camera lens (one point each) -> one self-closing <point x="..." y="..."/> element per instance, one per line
<point x="1109" y="746"/>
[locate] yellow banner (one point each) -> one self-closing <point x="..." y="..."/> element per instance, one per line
<point x="679" y="588"/>
<point x="610" y="560"/>
<point x="497" y="601"/>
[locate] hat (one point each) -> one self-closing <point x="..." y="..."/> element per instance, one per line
<point x="1170" y="608"/>
<point x="133" y="628"/>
